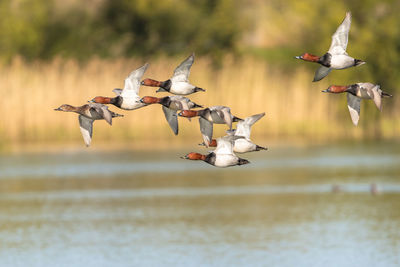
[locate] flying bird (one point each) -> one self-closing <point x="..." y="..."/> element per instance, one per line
<point x="88" y="113"/>
<point x="336" y="58"/>
<point x="170" y="106"/>
<point x="179" y="83"/>
<point x="355" y="93"/>
<point x="222" y="156"/>
<point x="127" y="98"/>
<point x="243" y="129"/>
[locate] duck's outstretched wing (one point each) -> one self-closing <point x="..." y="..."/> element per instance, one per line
<point x="172" y="119"/>
<point x="132" y="82"/>
<point x="226" y="114"/>
<point x="243" y="128"/>
<point x="376" y="94"/>
<point x="341" y="37"/>
<point x="206" y="129"/>
<point x="321" y="73"/>
<point x="86" y="127"/>
<point x="182" y="72"/>
<point x="103" y="111"/>
<point x="117" y="91"/>
<point x="185" y="104"/>
<point x="353" y="103"/>
<point x="225" y="144"/>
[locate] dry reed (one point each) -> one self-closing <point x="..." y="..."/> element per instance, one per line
<point x="295" y="108"/>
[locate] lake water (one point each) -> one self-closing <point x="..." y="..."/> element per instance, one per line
<point x="292" y="206"/>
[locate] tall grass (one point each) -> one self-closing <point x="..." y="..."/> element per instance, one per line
<point x="295" y="108"/>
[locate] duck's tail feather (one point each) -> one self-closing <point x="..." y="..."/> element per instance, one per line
<point x="113" y="114"/>
<point x="386" y="94"/>
<point x="358" y="62"/>
<point x="258" y="148"/>
<point x="197" y="89"/>
<point x="236" y="119"/>
<point x="197" y="106"/>
<point x="243" y="161"/>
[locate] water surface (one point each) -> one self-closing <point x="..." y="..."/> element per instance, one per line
<point x="291" y="206"/>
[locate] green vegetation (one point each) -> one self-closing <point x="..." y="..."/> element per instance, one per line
<point x="43" y="29"/>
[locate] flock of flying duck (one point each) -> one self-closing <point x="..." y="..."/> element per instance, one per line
<point x="237" y="140"/>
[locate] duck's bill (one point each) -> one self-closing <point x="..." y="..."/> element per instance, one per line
<point x="57" y="109"/>
<point x="325" y="91"/>
<point x="298" y="57"/>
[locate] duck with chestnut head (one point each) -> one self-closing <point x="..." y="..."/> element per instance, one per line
<point x="127" y="98"/>
<point x="209" y="116"/>
<point x="336" y="58"/>
<point x="243" y="128"/>
<point x="170" y="106"/>
<point x="356" y="92"/>
<point x="178" y="84"/>
<point x="222" y="156"/>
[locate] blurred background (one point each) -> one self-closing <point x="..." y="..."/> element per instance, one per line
<point x="56" y="52"/>
<point x="326" y="193"/>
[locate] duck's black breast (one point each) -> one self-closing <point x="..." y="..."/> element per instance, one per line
<point x="166" y="85"/>
<point x="210" y="158"/>
<point x="165" y="101"/>
<point x="325" y="60"/>
<point x="353" y="89"/>
<point x="117" y="101"/>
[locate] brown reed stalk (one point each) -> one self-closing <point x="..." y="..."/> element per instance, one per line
<point x="295" y="109"/>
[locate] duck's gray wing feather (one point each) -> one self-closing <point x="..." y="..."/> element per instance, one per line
<point x="243" y="128"/>
<point x="117" y="91"/>
<point x="86" y="127"/>
<point x="377" y="96"/>
<point x="353" y="103"/>
<point x="226" y="113"/>
<point x="105" y="113"/>
<point x="206" y="129"/>
<point x="102" y="110"/>
<point x="172" y="119"/>
<point x="321" y="73"/>
<point x="224" y="146"/>
<point x="132" y="82"/>
<point x="182" y="72"/>
<point x="341" y="37"/>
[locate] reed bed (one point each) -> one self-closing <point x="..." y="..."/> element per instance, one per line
<point x="295" y="109"/>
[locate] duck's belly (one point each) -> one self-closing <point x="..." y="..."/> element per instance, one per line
<point x="226" y="160"/>
<point x="243" y="146"/>
<point x="181" y="88"/>
<point x="129" y="104"/>
<point x="341" y="62"/>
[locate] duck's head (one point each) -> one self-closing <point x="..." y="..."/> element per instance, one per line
<point x="148" y="100"/>
<point x="101" y="100"/>
<point x="194" y="156"/>
<point x="65" y="108"/>
<point x="213" y="143"/>
<point x="150" y="82"/>
<point x="188" y="113"/>
<point x="335" y="89"/>
<point x="308" y="57"/>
